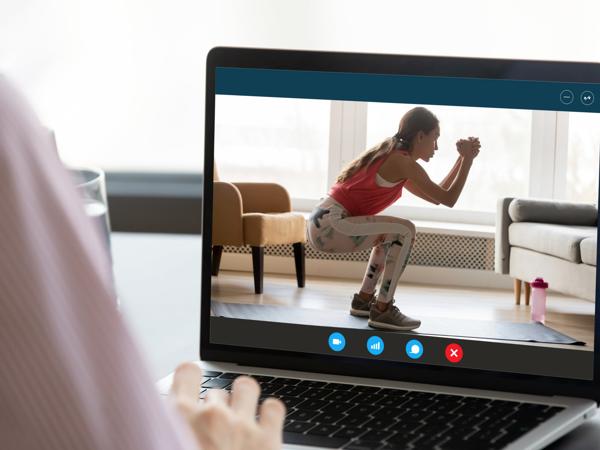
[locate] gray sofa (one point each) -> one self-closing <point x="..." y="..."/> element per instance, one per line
<point x="550" y="239"/>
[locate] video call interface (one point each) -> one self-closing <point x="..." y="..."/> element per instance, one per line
<point x="420" y="220"/>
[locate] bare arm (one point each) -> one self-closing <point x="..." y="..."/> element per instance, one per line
<point x="448" y="197"/>
<point x="447" y="181"/>
<point x="419" y="193"/>
<point x="449" y="190"/>
<point x="445" y="184"/>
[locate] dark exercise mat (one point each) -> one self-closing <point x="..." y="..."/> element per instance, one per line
<point x="483" y="329"/>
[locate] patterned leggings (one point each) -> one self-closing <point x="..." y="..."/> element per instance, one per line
<point x="331" y="230"/>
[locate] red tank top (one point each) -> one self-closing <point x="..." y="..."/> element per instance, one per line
<point x="361" y="196"/>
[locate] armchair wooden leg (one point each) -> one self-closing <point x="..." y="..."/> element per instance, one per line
<point x="527" y="292"/>
<point x="258" y="265"/>
<point x="217" y="251"/>
<point x="299" y="258"/>
<point x="517" y="291"/>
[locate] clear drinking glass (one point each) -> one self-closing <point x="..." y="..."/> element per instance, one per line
<point x="91" y="184"/>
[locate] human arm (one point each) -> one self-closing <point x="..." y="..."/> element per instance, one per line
<point x="467" y="148"/>
<point x="410" y="187"/>
<point x="448" y="197"/>
<point x="473" y="148"/>
<point x="448" y="179"/>
<point x="445" y="184"/>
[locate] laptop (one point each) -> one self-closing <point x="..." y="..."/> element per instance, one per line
<point x="495" y="361"/>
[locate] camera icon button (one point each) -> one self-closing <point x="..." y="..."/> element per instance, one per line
<point x="337" y="342"/>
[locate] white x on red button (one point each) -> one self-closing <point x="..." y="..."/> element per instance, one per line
<point x="454" y="352"/>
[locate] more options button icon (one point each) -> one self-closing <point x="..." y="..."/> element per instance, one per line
<point x="567" y="97"/>
<point x="587" y="98"/>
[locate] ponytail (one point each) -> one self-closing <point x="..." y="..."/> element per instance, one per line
<point x="415" y="120"/>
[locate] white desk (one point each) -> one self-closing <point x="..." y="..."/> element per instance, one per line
<point x="159" y="285"/>
<point x="158" y="281"/>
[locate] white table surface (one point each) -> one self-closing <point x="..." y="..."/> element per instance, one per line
<point x="158" y="278"/>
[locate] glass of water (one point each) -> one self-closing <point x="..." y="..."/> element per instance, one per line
<point x="91" y="184"/>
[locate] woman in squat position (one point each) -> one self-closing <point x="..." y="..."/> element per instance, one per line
<point x="347" y="221"/>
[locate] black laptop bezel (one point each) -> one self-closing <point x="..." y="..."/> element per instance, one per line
<point x="582" y="72"/>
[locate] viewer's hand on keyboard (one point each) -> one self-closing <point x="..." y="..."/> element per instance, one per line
<point x="228" y="422"/>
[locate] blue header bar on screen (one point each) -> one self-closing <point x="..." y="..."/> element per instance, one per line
<point x="368" y="87"/>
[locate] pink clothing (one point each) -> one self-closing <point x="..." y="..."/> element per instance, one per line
<point x="361" y="196"/>
<point x="71" y="376"/>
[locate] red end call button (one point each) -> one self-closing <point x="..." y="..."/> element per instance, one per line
<point x="454" y="352"/>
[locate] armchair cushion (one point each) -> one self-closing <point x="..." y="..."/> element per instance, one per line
<point x="588" y="251"/>
<point x="552" y="211"/>
<point x="555" y="240"/>
<point x="264" y="198"/>
<point x="273" y="229"/>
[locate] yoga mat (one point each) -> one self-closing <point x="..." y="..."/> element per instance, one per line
<point x="437" y="326"/>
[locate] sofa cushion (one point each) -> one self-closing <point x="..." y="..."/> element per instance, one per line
<point x="562" y="241"/>
<point x="588" y="251"/>
<point x="552" y="211"/>
<point x="563" y="276"/>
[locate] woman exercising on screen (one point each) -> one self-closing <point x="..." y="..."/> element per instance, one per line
<point x="346" y="220"/>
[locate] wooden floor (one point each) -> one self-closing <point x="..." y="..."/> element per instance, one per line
<point x="569" y="315"/>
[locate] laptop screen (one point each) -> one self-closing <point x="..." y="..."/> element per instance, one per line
<point x="418" y="220"/>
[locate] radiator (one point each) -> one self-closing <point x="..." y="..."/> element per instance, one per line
<point x="430" y="249"/>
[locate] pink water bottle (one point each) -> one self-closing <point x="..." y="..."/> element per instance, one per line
<point x="538" y="300"/>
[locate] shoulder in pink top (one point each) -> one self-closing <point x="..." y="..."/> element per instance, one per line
<point x="71" y="377"/>
<point x="361" y="196"/>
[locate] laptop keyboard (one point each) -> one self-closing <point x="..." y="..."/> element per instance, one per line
<point x="337" y="415"/>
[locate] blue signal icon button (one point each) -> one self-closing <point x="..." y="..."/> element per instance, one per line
<point x="375" y="345"/>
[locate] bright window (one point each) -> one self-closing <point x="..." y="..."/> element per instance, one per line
<point x="502" y="167"/>
<point x="122" y="81"/>
<point x="277" y="140"/>
<point x="582" y="159"/>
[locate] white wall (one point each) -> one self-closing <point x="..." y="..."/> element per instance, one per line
<point x="121" y="81"/>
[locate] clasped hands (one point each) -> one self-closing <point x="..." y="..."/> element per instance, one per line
<point x="468" y="148"/>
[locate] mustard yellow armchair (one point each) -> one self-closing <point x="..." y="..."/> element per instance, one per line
<point x="256" y="214"/>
